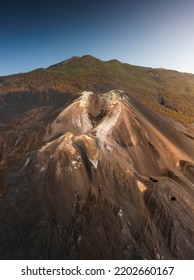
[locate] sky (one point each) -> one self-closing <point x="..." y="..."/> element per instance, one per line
<point x="39" y="33"/>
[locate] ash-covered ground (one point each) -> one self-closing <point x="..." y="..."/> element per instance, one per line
<point x="100" y="177"/>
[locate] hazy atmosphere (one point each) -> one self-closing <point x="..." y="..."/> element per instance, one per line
<point x="149" y="33"/>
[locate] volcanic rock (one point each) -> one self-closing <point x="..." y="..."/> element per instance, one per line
<point x="106" y="178"/>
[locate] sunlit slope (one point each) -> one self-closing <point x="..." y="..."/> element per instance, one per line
<point x="106" y="178"/>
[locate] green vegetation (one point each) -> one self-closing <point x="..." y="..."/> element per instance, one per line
<point x="169" y="93"/>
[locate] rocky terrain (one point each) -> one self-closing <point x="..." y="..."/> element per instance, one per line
<point x="94" y="175"/>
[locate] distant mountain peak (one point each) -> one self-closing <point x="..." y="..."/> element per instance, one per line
<point x="65" y="61"/>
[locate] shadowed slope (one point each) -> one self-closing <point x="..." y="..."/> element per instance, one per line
<point x="111" y="180"/>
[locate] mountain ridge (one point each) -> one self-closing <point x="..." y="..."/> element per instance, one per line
<point x="167" y="92"/>
<point x="66" y="61"/>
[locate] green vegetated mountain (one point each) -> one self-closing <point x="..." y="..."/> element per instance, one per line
<point x="167" y="92"/>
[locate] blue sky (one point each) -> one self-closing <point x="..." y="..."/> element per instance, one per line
<point x="35" y="33"/>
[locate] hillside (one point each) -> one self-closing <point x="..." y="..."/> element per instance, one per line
<point x="169" y="93"/>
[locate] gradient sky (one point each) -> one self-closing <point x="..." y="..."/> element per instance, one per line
<point x="39" y="33"/>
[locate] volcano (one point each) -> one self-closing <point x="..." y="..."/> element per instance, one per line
<point x="97" y="162"/>
<point x="108" y="179"/>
